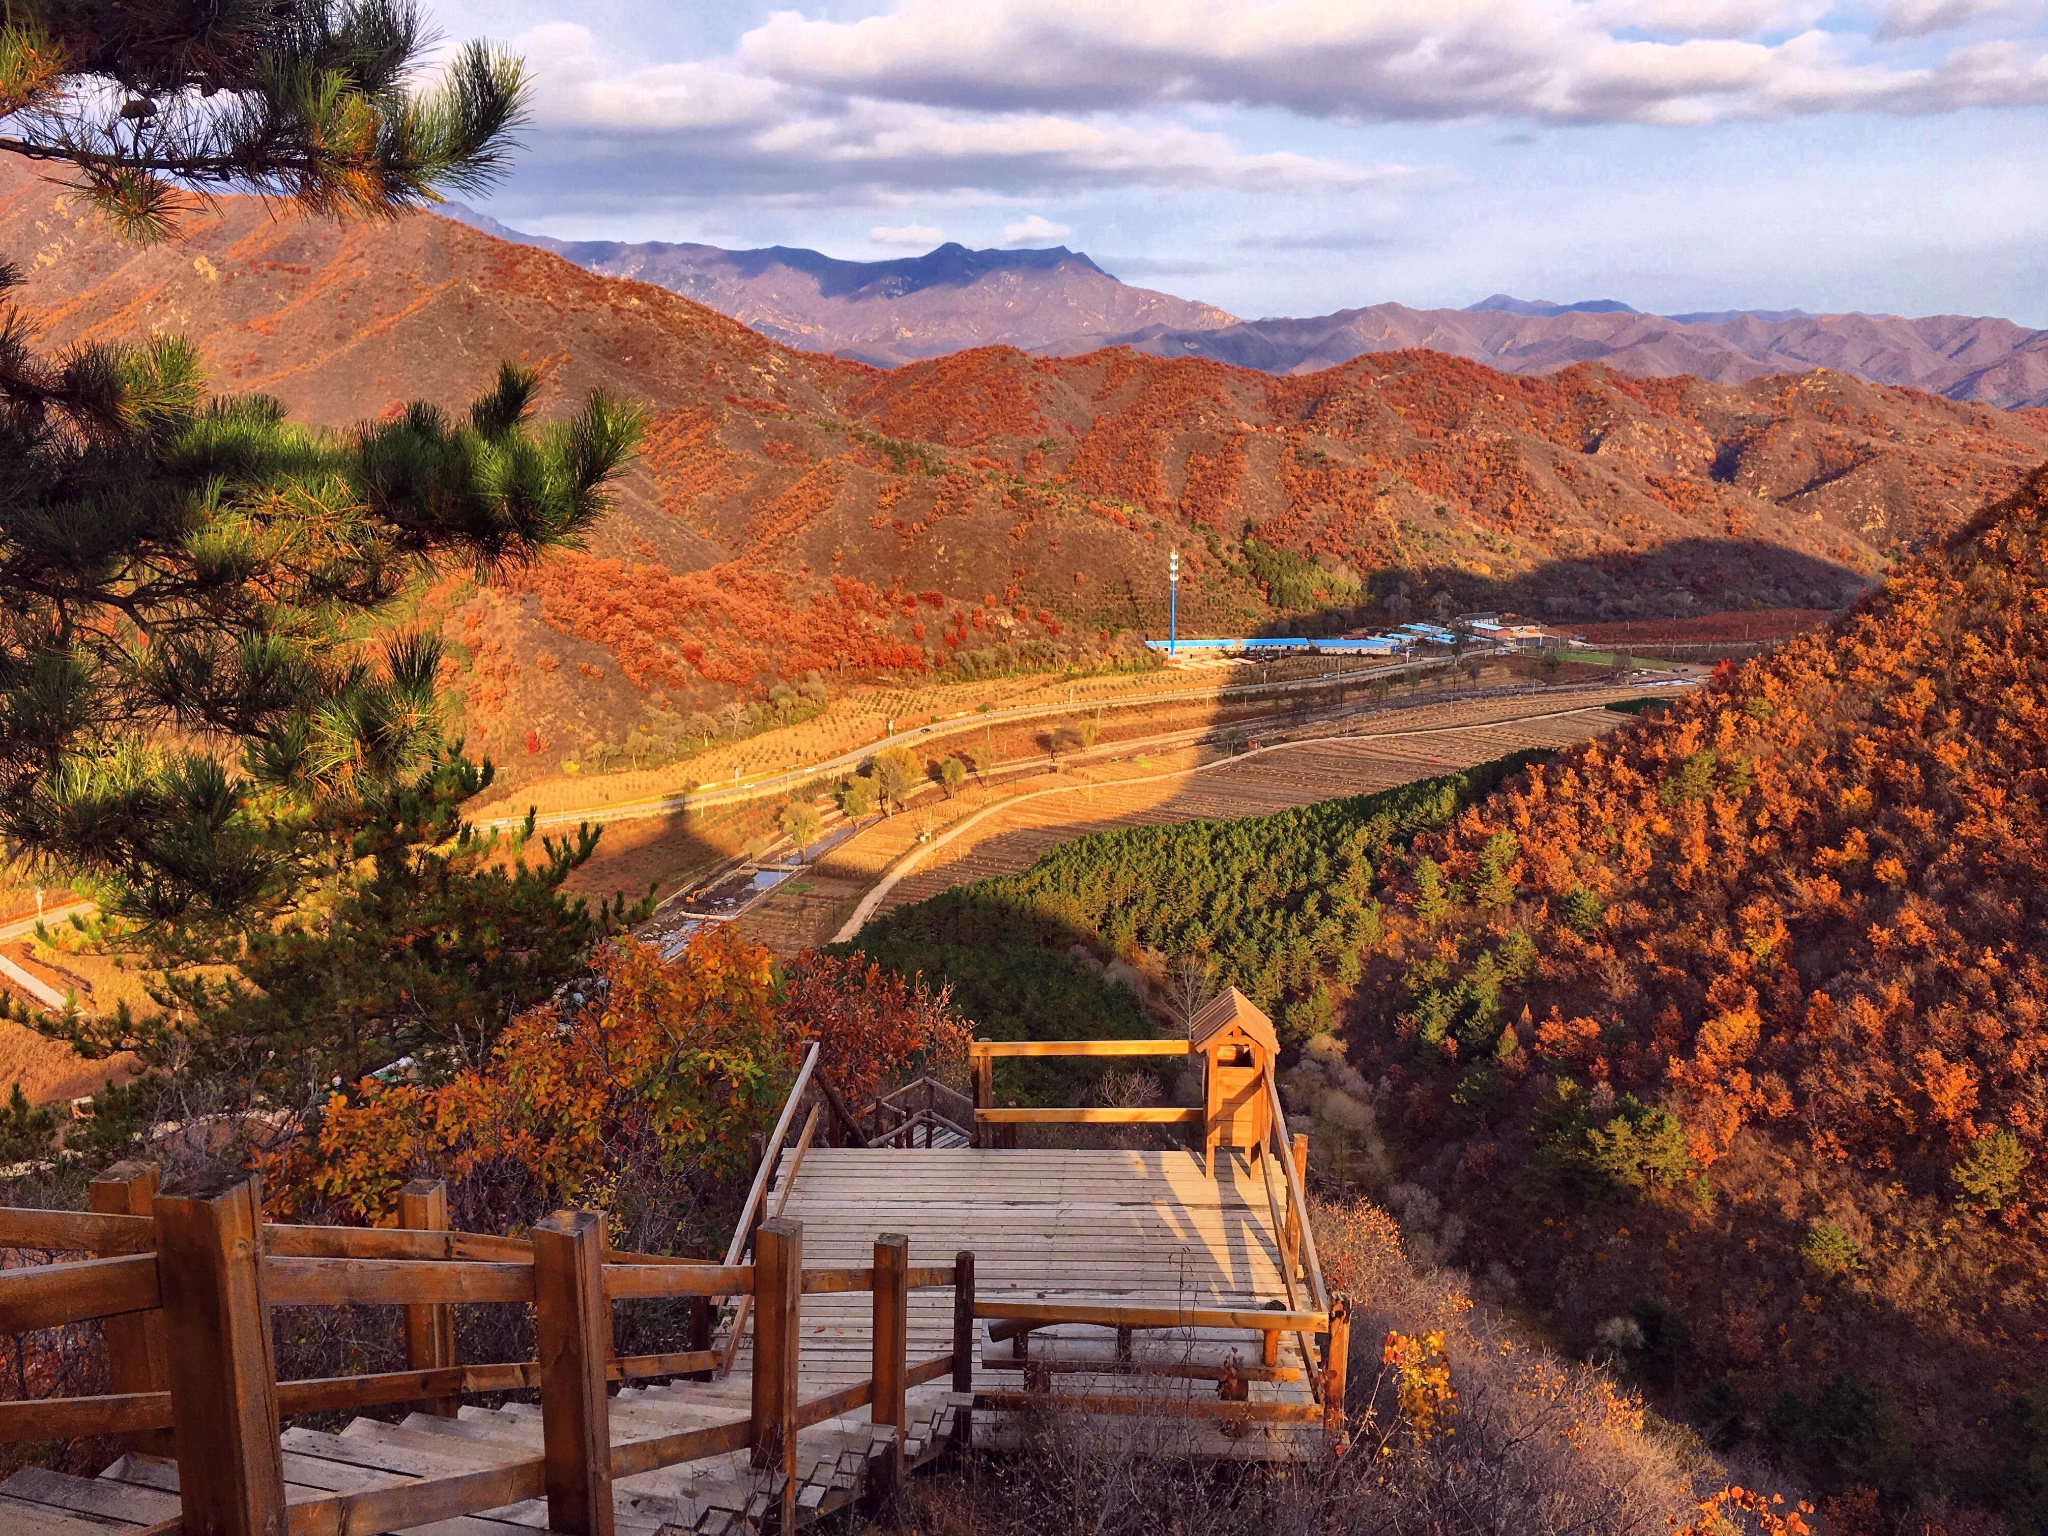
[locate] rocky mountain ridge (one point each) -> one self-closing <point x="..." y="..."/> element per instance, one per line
<point x="1059" y="302"/>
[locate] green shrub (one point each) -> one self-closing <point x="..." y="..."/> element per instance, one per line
<point x="1828" y="1253"/>
<point x="1990" y="1173"/>
<point x="26" y="1133"/>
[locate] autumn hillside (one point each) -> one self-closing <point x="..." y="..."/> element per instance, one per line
<point x="795" y="513"/>
<point x="1729" y="1032"/>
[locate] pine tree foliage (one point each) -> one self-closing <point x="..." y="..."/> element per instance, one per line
<point x="397" y="932"/>
<point x="183" y="581"/>
<point x="306" y="100"/>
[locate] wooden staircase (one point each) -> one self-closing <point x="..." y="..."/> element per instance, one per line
<point x="838" y="1462"/>
<point x="1132" y="1284"/>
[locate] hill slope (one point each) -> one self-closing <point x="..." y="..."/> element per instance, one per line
<point x="794" y="513"/>
<point x="890" y="312"/>
<point x="1733" y="1026"/>
<point x="1962" y="357"/>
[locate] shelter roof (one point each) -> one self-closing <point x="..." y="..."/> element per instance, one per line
<point x="1232" y="1007"/>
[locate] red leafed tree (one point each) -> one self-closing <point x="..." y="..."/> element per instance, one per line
<point x="873" y="1026"/>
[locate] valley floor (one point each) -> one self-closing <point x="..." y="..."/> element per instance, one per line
<point x="922" y="851"/>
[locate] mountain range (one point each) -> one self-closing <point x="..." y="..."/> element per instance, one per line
<point x="892" y="312"/>
<point x="793" y="513"/>
<point x="1059" y="302"/>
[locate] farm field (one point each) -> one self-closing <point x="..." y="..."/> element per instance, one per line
<point x="861" y="719"/>
<point x="1008" y="830"/>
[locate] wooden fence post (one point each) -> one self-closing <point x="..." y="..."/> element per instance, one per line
<point x="223" y="1373"/>
<point x="136" y="1352"/>
<point x="964" y="1331"/>
<point x="891" y="1359"/>
<point x="778" y="1306"/>
<point x="569" y="1314"/>
<point x="1336" y="1358"/>
<point x="430" y="1327"/>
<point x="985" y="1098"/>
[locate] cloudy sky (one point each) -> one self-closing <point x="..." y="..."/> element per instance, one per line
<point x="1300" y="156"/>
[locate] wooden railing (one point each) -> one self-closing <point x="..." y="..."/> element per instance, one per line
<point x="1017" y="1319"/>
<point x="212" y="1270"/>
<point x="898" y="1116"/>
<point x="997" y="1127"/>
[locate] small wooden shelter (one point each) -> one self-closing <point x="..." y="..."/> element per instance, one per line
<point x="1237" y="1046"/>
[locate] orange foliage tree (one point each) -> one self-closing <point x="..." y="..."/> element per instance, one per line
<point x="635" y="1093"/>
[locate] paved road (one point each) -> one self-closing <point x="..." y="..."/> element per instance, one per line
<point x="21" y="927"/>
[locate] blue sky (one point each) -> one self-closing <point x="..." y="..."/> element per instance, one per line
<point x="1295" y="157"/>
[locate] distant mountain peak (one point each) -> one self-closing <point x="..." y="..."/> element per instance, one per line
<point x="1545" y="309"/>
<point x="892" y="311"/>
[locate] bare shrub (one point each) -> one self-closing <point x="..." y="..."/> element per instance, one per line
<point x="1513" y="1442"/>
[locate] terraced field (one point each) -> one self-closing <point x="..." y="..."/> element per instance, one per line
<point x="969" y="839"/>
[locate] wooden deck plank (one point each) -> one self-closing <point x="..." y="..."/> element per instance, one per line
<point x="91" y="1496"/>
<point x="27" y="1519"/>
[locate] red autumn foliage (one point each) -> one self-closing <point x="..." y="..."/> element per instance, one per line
<point x="1802" y="911"/>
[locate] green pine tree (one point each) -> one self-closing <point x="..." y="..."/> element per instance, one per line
<point x="203" y="722"/>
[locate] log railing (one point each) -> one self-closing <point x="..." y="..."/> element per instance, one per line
<point x="1017" y="1319"/>
<point x="213" y="1270"/>
<point x="998" y="1127"/>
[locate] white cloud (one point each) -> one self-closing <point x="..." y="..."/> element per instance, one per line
<point x="1563" y="61"/>
<point x="727" y="126"/>
<point x="922" y="236"/>
<point x="1924" y="18"/>
<point x="1035" y="229"/>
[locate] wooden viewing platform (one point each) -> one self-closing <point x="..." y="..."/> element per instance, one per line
<point x="921" y="1288"/>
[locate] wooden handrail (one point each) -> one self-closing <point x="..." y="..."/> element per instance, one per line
<point x="1149" y="1115"/>
<point x="286" y="1240"/>
<point x="1318" y="1292"/>
<point x="1176" y="1370"/>
<point x="744" y="1229"/>
<point x="623" y="1280"/>
<point x="1139" y="1315"/>
<point x="1078" y="1048"/>
<point x="104" y="1235"/>
<point x="1190" y="1407"/>
<point x="51" y="1295"/>
<point x="75" y="1231"/>
<point x="768" y="1161"/>
<point x="393" y="1282"/>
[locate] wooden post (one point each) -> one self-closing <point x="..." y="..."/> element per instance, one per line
<point x="964" y="1332"/>
<point x="778" y="1303"/>
<point x="223" y="1374"/>
<point x="891" y="1362"/>
<point x="430" y="1327"/>
<point x="1290" y="1243"/>
<point x="1336" y="1426"/>
<point x="569" y="1311"/>
<point x="1269" y="1351"/>
<point x="137" y="1357"/>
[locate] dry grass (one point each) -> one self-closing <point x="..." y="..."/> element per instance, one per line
<point x="1532" y="1444"/>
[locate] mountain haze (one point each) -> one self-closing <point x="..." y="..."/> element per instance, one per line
<point x="891" y="312"/>
<point x="794" y="513"/>
<point x="1959" y="356"/>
